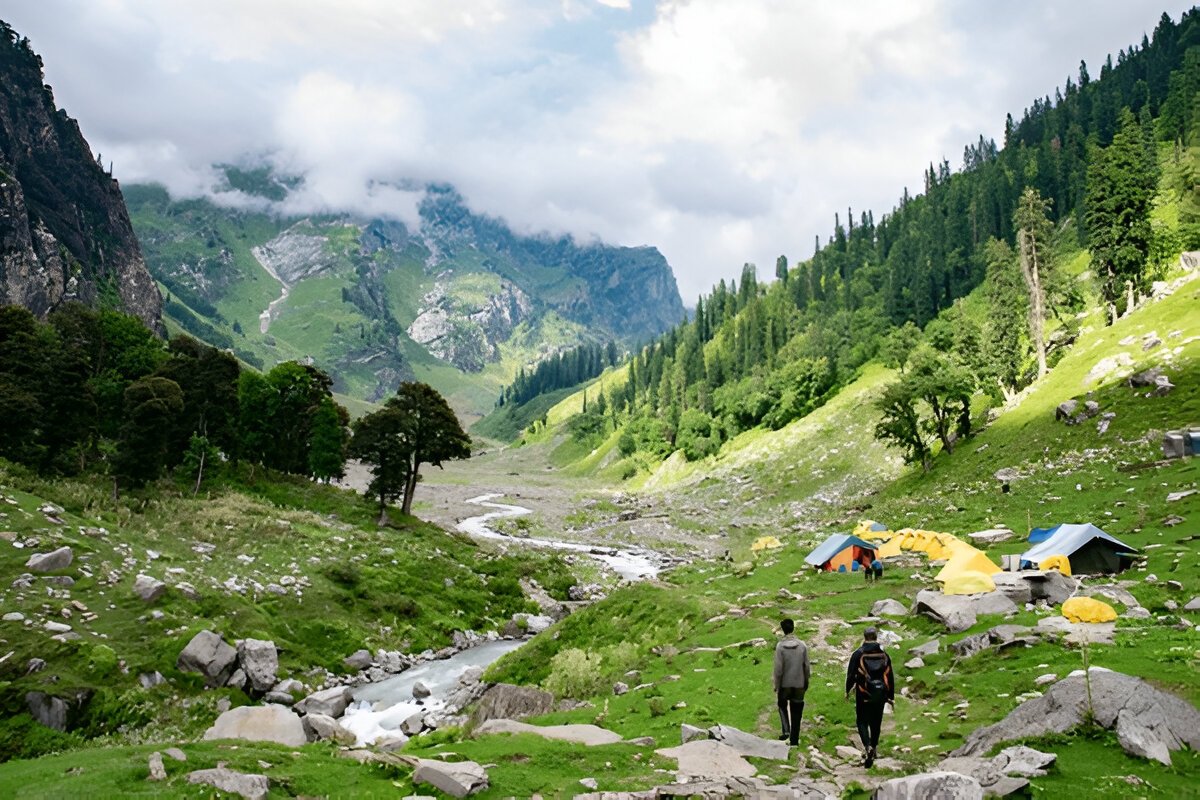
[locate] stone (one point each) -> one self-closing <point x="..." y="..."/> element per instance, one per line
<point x="889" y="608"/>
<point x="590" y="735"/>
<point x="47" y="709"/>
<point x="958" y="612"/>
<point x="14" y="616"/>
<point x="1014" y="586"/>
<point x="1065" y="409"/>
<point x="420" y="691"/>
<point x="56" y="627"/>
<point x="886" y="637"/>
<point x="1108" y="365"/>
<point x="1192" y="605"/>
<point x="506" y="701"/>
<point x="157" y="771"/>
<point x="1148" y="722"/>
<point x="992" y="536"/>
<point x="331" y="702"/>
<point x="208" y="654"/>
<point x="1026" y="761"/>
<point x="589" y="783"/>
<point x="175" y="753"/>
<point x="690" y="733"/>
<point x="847" y="753"/>
<point x="1044" y="680"/>
<point x="413" y="724"/>
<point x="148" y="680"/>
<point x="619" y="688"/>
<point x="279" y="698"/>
<point x="288" y="685"/>
<point x="914" y="663"/>
<point x="1175" y="586"/>
<point x="319" y="727"/>
<point x="457" y="779"/>
<point x="1051" y="586"/>
<point x="259" y="724"/>
<point x="982" y="770"/>
<point x="238" y="679"/>
<point x="747" y="744"/>
<point x="52" y="561"/>
<point x="928" y="649"/>
<point x="187" y="590"/>
<point x="642" y="741"/>
<point x="358" y="660"/>
<point x="248" y="786"/>
<point x="1137" y="612"/>
<point x="148" y="589"/>
<point x="260" y="661"/>
<point x="533" y="623"/>
<point x="942" y="785"/>
<point x="708" y="759"/>
<point x="1112" y="593"/>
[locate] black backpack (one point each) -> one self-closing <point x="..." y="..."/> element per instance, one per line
<point x="873" y="669"/>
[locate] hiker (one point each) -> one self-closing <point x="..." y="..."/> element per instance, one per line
<point x="869" y="675"/>
<point x="792" y="672"/>
<point x="877" y="568"/>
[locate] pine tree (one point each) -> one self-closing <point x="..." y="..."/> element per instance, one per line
<point x="1033" y="251"/>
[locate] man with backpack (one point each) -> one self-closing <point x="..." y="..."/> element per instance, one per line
<point x="869" y="675"/>
<point x="792" y="672"/>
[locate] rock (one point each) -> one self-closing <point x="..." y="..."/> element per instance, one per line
<point x="1192" y="605"/>
<point x="642" y="741"/>
<point x="505" y="701"/>
<point x="1079" y="632"/>
<point x="619" y="688"/>
<point x="187" y="590"/>
<point x="1148" y="722"/>
<point x="992" y="536"/>
<point x="420" y="691"/>
<point x="260" y="660"/>
<point x="914" y="663"/>
<point x="1112" y="593"/>
<point x="413" y="724"/>
<point x="847" y="753"/>
<point x="1043" y="680"/>
<point x="889" y="608"/>
<point x="47" y="709"/>
<point x="708" y="759"/>
<point x="34" y="665"/>
<point x="208" y="654"/>
<point x="533" y="623"/>
<point x="259" y="724"/>
<point x="321" y="727"/>
<point x="928" y="649"/>
<point x="148" y="589"/>
<point x="942" y="785"/>
<point x="238" y="679"/>
<point x="1050" y="585"/>
<point x="330" y="702"/>
<point x="14" y="616"/>
<point x="278" y="698"/>
<point x="982" y="770"/>
<point x="288" y="685"/>
<point x="175" y="753"/>
<point x="1137" y="612"/>
<point x="249" y="786"/>
<point x="1108" y="365"/>
<point x="1175" y="586"/>
<point x="747" y="744"/>
<point x="457" y="779"/>
<point x="52" y="561"/>
<point x="56" y="627"/>
<point x="1021" y="760"/>
<point x="886" y="637"/>
<point x="358" y="660"/>
<point x="1065" y="409"/>
<point x="1169" y="605"/>
<point x="588" y="783"/>
<point x="157" y="771"/>
<point x="148" y="680"/>
<point x="590" y="735"/>
<point x="958" y="612"/>
<point x="1014" y="586"/>
<point x="690" y="733"/>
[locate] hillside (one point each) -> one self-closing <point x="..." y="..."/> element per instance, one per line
<point x="461" y="303"/>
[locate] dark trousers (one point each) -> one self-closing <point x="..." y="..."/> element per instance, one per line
<point x="791" y="711"/>
<point x="869" y="717"/>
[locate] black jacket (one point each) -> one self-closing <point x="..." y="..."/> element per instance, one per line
<point x="854" y="677"/>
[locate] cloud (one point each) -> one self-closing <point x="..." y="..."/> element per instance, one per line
<point x="720" y="132"/>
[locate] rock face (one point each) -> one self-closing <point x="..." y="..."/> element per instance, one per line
<point x="259" y="724"/>
<point x="1148" y="722"/>
<point x="49" y="710"/>
<point x="248" y="786"/>
<point x="64" y="230"/>
<point x="457" y="779"/>
<point x="52" y="561"/>
<point x="260" y="661"/>
<point x="208" y="654"/>
<point x="505" y="701"/>
<point x="942" y="785"/>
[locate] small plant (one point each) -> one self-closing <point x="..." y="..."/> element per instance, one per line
<point x="574" y="673"/>
<point x="657" y="706"/>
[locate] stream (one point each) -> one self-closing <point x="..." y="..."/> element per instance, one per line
<point x="264" y="319"/>
<point x="379" y="708"/>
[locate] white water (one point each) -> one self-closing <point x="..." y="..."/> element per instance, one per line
<point x="264" y="319"/>
<point x="393" y="696"/>
<point x="631" y="563"/>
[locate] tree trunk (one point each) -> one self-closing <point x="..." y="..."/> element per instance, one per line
<point x="1031" y="272"/>
<point x="410" y="489"/>
<point x="199" y="474"/>
<point x="1129" y="298"/>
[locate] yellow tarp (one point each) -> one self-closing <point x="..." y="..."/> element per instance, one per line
<point x="966" y="560"/>
<point x="1060" y="563"/>
<point x="766" y="543"/>
<point x="969" y="582"/>
<point x="889" y="549"/>
<point x="1088" y="609"/>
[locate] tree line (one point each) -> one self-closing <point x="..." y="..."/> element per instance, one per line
<point x="559" y="371"/>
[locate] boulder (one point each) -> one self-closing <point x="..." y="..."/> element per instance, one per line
<point x="248" y="786"/>
<point x="420" y="691"/>
<point x="690" y="733"/>
<point x="47" y="709"/>
<point x="208" y="654"/>
<point x="914" y="663"/>
<point x="331" y="702"/>
<point x="279" y="698"/>
<point x="505" y="701"/>
<point x="318" y="727"/>
<point x="1014" y="586"/>
<point x="958" y="612"/>
<point x="1137" y="613"/>
<point x="889" y="608"/>
<point x="992" y="536"/>
<point x="52" y="561"/>
<point x="148" y="589"/>
<point x="590" y="735"/>
<point x="533" y="623"/>
<point x="747" y="744"/>
<point x="187" y="590"/>
<point x="238" y="679"/>
<point x="358" y="660"/>
<point x="260" y="661"/>
<point x="158" y="772"/>
<point x="1065" y="409"/>
<point x="148" y="680"/>
<point x="942" y="785"/>
<point x="457" y="779"/>
<point x="1192" y="605"/>
<point x="259" y="724"/>
<point x="413" y="724"/>
<point x="1111" y="592"/>
<point x="1021" y="760"/>
<point x="1148" y="722"/>
<point x="620" y="687"/>
<point x="928" y="649"/>
<point x="708" y="759"/>
<point x="175" y="753"/>
<point x="1051" y="586"/>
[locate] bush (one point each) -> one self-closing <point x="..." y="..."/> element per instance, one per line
<point x="103" y="661"/>
<point x="574" y="673"/>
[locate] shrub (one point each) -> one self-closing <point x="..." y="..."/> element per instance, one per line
<point x="574" y="673"/>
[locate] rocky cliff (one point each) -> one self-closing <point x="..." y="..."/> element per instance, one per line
<point x="64" y="230"/>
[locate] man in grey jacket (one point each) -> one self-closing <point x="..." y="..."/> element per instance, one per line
<point x="792" y="672"/>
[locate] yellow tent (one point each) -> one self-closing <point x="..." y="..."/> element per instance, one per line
<point x="766" y="543"/>
<point x="966" y="561"/>
<point x="1088" y="609"/>
<point x="1058" y="562"/>
<point x="969" y="582"/>
<point x="889" y="548"/>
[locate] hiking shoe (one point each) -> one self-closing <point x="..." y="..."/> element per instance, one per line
<point x="869" y="758"/>
<point x="783" y="737"/>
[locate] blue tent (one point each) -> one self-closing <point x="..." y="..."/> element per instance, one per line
<point x="1089" y="549"/>
<point x="841" y="550"/>
<point x="1039" y="535"/>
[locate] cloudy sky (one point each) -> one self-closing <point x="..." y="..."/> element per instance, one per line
<point x="721" y="131"/>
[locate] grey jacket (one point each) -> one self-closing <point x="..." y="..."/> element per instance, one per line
<point x="791" y="664"/>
